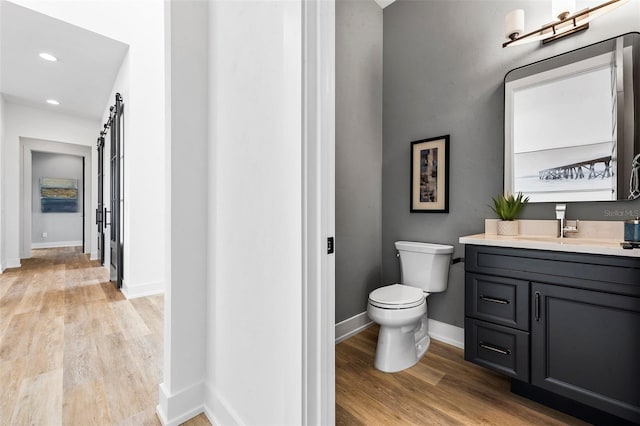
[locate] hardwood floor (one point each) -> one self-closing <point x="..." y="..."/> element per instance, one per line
<point x="199" y="420"/>
<point x="442" y="389"/>
<point x="73" y="350"/>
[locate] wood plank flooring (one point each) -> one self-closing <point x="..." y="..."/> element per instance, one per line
<point x="442" y="389"/>
<point x="73" y="350"/>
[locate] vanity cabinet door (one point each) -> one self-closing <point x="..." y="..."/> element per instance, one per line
<point x="585" y="345"/>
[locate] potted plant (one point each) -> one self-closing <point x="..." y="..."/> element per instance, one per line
<point x="508" y="208"/>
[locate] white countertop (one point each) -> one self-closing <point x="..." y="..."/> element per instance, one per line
<point x="536" y="242"/>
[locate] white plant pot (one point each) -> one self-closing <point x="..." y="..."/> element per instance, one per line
<point x="508" y="227"/>
<point x="491" y="226"/>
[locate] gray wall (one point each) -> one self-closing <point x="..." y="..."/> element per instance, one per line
<point x="358" y="154"/>
<point x="443" y="74"/>
<point x="60" y="227"/>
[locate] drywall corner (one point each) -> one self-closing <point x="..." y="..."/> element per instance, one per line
<point x="133" y="291"/>
<point x="175" y="409"/>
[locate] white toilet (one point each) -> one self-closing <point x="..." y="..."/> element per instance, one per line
<point x="401" y="309"/>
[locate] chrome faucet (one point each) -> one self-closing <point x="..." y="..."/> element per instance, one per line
<point x="560" y="211"/>
<point x="564" y="228"/>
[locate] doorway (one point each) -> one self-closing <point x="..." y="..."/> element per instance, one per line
<point x="58" y="202"/>
<point x="28" y="147"/>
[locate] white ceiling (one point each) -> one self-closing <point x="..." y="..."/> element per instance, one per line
<point x="82" y="78"/>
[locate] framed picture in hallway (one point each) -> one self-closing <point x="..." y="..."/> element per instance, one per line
<point x="58" y="195"/>
<point x="430" y="175"/>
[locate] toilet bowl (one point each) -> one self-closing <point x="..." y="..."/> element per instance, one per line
<point x="401" y="309"/>
<point x="398" y="346"/>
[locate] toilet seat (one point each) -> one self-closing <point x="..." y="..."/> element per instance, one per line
<point x="396" y="296"/>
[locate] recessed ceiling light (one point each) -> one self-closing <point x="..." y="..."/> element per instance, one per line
<point x="53" y="102"/>
<point x="48" y="57"/>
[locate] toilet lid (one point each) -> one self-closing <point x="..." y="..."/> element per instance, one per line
<point x="396" y="296"/>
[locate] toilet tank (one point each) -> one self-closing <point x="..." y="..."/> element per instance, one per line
<point x="424" y="265"/>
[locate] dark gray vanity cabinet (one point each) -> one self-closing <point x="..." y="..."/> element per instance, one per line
<point x="586" y="345"/>
<point x="564" y="326"/>
<point x="497" y="324"/>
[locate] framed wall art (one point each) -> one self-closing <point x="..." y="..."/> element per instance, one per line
<point x="58" y="195"/>
<point x="430" y="175"/>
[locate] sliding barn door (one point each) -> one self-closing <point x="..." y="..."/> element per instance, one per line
<point x="100" y="211"/>
<point x="116" y="199"/>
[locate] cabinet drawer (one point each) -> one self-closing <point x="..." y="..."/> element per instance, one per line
<point x="503" y="301"/>
<point x="498" y="348"/>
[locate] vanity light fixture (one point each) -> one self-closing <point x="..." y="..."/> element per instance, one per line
<point x="48" y="57"/>
<point x="52" y="102"/>
<point x="566" y="22"/>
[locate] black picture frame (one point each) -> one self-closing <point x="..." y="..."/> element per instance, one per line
<point x="430" y="175"/>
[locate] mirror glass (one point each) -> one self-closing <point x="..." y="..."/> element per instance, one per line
<point x="572" y="127"/>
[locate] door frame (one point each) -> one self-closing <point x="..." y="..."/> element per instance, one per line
<point x="27" y="147"/>
<point x="318" y="215"/>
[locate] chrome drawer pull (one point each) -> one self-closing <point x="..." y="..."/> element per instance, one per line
<point x="495" y="349"/>
<point x="494" y="300"/>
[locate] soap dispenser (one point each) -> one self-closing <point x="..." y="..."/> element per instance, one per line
<point x="632" y="230"/>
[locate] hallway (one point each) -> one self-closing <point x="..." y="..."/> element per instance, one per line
<point x="73" y="350"/>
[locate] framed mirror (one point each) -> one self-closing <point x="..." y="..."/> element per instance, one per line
<point x="572" y="124"/>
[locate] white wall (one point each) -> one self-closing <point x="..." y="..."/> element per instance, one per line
<point x="33" y="123"/>
<point x="254" y="333"/>
<point x="140" y="24"/>
<point x="187" y="219"/>
<point x="3" y="259"/>
<point x="249" y="147"/>
<point x="62" y="229"/>
<point x="237" y="147"/>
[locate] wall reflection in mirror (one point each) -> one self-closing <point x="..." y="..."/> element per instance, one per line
<point x="572" y="127"/>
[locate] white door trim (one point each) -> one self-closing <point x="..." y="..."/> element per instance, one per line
<point x="27" y="146"/>
<point x="318" y="168"/>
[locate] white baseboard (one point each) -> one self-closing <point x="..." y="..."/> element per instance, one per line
<point x="56" y="244"/>
<point x="176" y="409"/>
<point x="438" y="330"/>
<point x="12" y="263"/>
<point x="352" y="326"/>
<point x="141" y="290"/>
<point x="218" y="410"/>
<point x="93" y="256"/>
<point x="446" y="333"/>
<point x="209" y="415"/>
